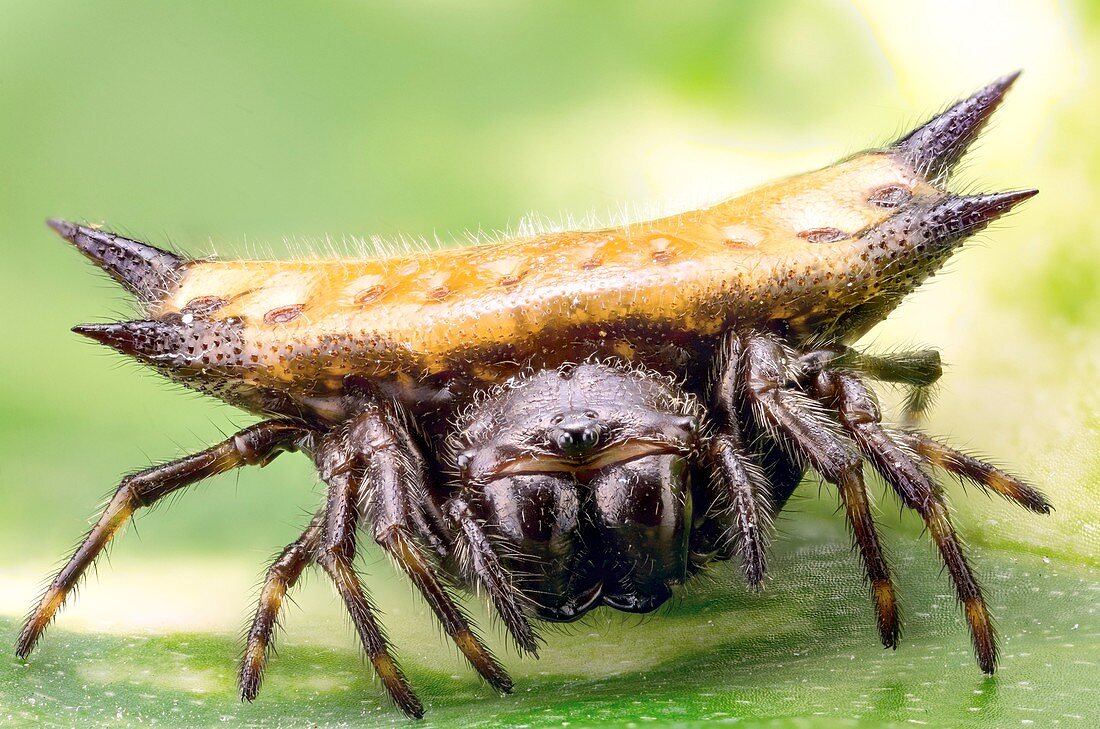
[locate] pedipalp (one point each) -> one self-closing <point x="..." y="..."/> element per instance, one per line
<point x="745" y="491"/>
<point x="475" y="545"/>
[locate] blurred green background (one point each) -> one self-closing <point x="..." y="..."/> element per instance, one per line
<point x="268" y="128"/>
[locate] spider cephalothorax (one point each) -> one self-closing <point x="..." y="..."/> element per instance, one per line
<point x="438" y="395"/>
<point x="582" y="474"/>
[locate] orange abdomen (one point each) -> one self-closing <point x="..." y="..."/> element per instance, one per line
<point x="780" y="253"/>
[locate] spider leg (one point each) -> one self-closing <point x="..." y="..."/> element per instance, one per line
<point x="255" y="445"/>
<point x="283" y="574"/>
<point x="918" y="401"/>
<point x="492" y="576"/>
<point x="746" y="491"/>
<point x="395" y="474"/>
<point x="811" y="436"/>
<point x="988" y="477"/>
<point x="917" y="370"/>
<point x="337" y="557"/>
<point x="860" y="417"/>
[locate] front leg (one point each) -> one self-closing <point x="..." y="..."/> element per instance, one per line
<point x="896" y="456"/>
<point x="337" y="556"/>
<point x="810" y="435"/>
<point x="375" y="471"/>
<point x="396" y="478"/>
<point x="255" y="445"/>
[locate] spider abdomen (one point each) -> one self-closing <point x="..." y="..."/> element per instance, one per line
<point x="789" y="252"/>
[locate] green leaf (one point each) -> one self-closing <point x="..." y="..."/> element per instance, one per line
<point x="805" y="651"/>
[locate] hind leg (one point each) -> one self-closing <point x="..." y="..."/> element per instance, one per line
<point x="376" y="475"/>
<point x="917" y="371"/>
<point x="396" y="478"/>
<point x="336" y="555"/>
<point x="892" y="457"/>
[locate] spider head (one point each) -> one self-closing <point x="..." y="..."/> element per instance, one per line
<point x="581" y="472"/>
<point x="572" y="419"/>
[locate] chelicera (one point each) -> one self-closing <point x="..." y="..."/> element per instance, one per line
<point x="573" y="419"/>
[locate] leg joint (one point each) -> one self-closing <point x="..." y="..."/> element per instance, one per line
<point x="330" y="554"/>
<point x="134" y="494"/>
<point x="847" y="467"/>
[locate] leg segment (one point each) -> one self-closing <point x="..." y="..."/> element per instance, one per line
<point x="745" y="490"/>
<point x="395" y="474"/>
<point x="281" y="576"/>
<point x="988" y="477"/>
<point x="800" y="422"/>
<point x="747" y="497"/>
<point x="255" y="445"/>
<point x="860" y="417"/>
<point x="917" y="370"/>
<point x="491" y="575"/>
<point x="337" y="556"/>
<point x="918" y="400"/>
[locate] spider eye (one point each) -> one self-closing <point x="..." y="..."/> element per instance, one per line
<point x="575" y="432"/>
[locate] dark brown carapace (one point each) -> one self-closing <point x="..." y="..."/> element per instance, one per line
<point x="573" y="419"/>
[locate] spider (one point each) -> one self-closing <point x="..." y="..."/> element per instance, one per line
<point x="572" y="419"/>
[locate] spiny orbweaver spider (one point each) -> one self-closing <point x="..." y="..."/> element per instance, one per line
<point x="572" y="419"/>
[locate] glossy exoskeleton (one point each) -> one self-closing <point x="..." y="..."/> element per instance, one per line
<point x="583" y="474"/>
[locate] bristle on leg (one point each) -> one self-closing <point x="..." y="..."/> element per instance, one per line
<point x="985" y="475"/>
